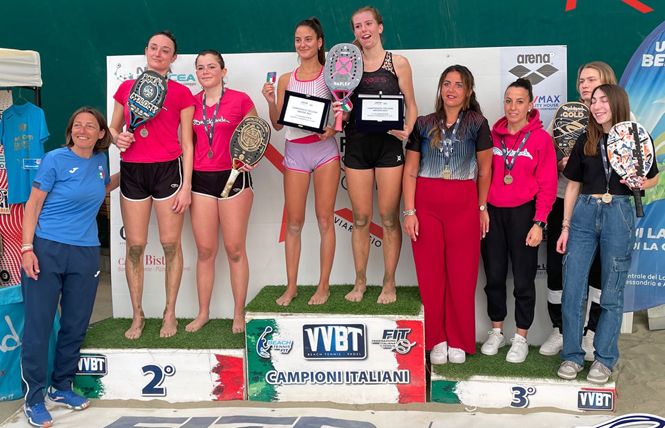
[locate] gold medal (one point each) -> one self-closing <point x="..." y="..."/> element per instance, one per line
<point x="507" y="179"/>
<point x="447" y="174"/>
<point x="144" y="132"/>
<point x="607" y="198"/>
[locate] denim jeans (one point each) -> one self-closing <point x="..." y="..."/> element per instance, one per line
<point x="610" y="230"/>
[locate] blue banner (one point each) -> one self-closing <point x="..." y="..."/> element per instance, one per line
<point x="644" y="80"/>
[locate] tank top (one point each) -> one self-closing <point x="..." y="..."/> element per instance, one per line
<point x="382" y="80"/>
<point x="316" y="87"/>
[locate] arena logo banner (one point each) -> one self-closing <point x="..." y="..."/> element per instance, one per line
<point x="545" y="68"/>
<point x="644" y="80"/>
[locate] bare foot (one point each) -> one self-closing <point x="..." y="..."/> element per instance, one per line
<point x="356" y="295"/>
<point x="388" y="295"/>
<point x="238" y="324"/>
<point x="169" y="326"/>
<point x="285" y="299"/>
<point x="136" y="329"/>
<point x="197" y="324"/>
<point x="320" y="297"/>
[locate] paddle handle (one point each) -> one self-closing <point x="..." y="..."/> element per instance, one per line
<point x="639" y="210"/>
<point x="230" y="182"/>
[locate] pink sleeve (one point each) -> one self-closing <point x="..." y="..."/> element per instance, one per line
<point x="186" y="98"/>
<point x="546" y="177"/>
<point x="246" y="104"/>
<point x="123" y="91"/>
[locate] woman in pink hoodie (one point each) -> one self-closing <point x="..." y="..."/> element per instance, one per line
<point x="522" y="191"/>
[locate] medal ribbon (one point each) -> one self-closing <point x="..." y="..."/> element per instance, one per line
<point x="210" y="132"/>
<point x="504" y="151"/>
<point x="447" y="143"/>
<point x="606" y="164"/>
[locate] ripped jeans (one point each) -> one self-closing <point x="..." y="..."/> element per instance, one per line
<point x="609" y="229"/>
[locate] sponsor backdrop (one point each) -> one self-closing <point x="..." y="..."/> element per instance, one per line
<point x="644" y="80"/>
<point x="493" y="69"/>
<point x="355" y="359"/>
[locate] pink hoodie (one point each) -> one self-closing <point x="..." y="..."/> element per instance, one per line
<point x="534" y="172"/>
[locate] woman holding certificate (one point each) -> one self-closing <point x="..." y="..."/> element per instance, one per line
<point x="522" y="191"/>
<point x="307" y="153"/>
<point x="446" y="179"/>
<point x="218" y="111"/>
<point x="374" y="153"/>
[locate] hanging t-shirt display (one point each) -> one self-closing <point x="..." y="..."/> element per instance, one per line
<point x="23" y="133"/>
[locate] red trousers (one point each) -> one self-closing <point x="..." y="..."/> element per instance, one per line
<point x="446" y="255"/>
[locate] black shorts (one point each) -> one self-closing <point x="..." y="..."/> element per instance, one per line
<point x="367" y="151"/>
<point x="158" y="180"/>
<point x="211" y="183"/>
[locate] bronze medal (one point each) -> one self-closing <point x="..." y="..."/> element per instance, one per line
<point x="210" y="154"/>
<point x="144" y="132"/>
<point x="507" y="179"/>
<point x="607" y="198"/>
<point x="447" y="174"/>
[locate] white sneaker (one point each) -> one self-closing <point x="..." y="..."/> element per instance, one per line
<point x="553" y="344"/>
<point x="439" y="354"/>
<point x="568" y="370"/>
<point x="456" y="355"/>
<point x="599" y="373"/>
<point x="587" y="345"/>
<point x="518" y="350"/>
<point x="494" y="341"/>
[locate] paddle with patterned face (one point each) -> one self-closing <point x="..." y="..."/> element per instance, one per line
<point x="248" y="144"/>
<point x="342" y="73"/>
<point x="631" y="154"/>
<point x="146" y="99"/>
<point x="570" y="121"/>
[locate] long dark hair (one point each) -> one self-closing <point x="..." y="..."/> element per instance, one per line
<point x="101" y="144"/>
<point x="620" y="107"/>
<point x="315" y="25"/>
<point x="470" y="102"/>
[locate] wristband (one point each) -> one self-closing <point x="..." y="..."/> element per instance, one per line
<point x="26" y="250"/>
<point x="406" y="213"/>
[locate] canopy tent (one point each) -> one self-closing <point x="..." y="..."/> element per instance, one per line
<point x="20" y="68"/>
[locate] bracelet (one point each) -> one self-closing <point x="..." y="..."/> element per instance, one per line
<point x="409" y="212"/>
<point x="26" y="247"/>
<point x="26" y="250"/>
<point x="565" y="227"/>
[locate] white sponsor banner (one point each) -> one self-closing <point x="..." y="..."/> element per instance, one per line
<point x="247" y="72"/>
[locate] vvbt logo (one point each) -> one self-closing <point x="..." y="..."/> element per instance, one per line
<point x="595" y="399"/>
<point x="334" y="341"/>
<point x="92" y="364"/>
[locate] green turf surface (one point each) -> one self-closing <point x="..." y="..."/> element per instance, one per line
<point x="535" y="366"/>
<point x="408" y="301"/>
<point x="110" y="333"/>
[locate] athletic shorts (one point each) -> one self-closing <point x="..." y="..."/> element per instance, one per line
<point x="211" y="183"/>
<point x="306" y="157"/>
<point x="368" y="151"/>
<point x="157" y="180"/>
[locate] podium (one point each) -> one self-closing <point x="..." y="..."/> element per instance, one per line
<point x="491" y="382"/>
<point x="204" y="366"/>
<point x="340" y="351"/>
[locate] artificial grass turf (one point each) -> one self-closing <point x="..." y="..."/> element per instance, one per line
<point x="110" y="334"/>
<point x="408" y="301"/>
<point x="535" y="366"/>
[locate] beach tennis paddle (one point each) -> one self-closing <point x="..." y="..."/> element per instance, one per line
<point x="146" y="99"/>
<point x="631" y="154"/>
<point x="570" y="121"/>
<point x="248" y="144"/>
<point x="342" y="73"/>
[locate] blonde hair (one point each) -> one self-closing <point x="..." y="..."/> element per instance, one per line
<point x="605" y="72"/>
<point x="377" y="16"/>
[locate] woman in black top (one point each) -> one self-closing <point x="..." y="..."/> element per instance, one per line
<point x="598" y="217"/>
